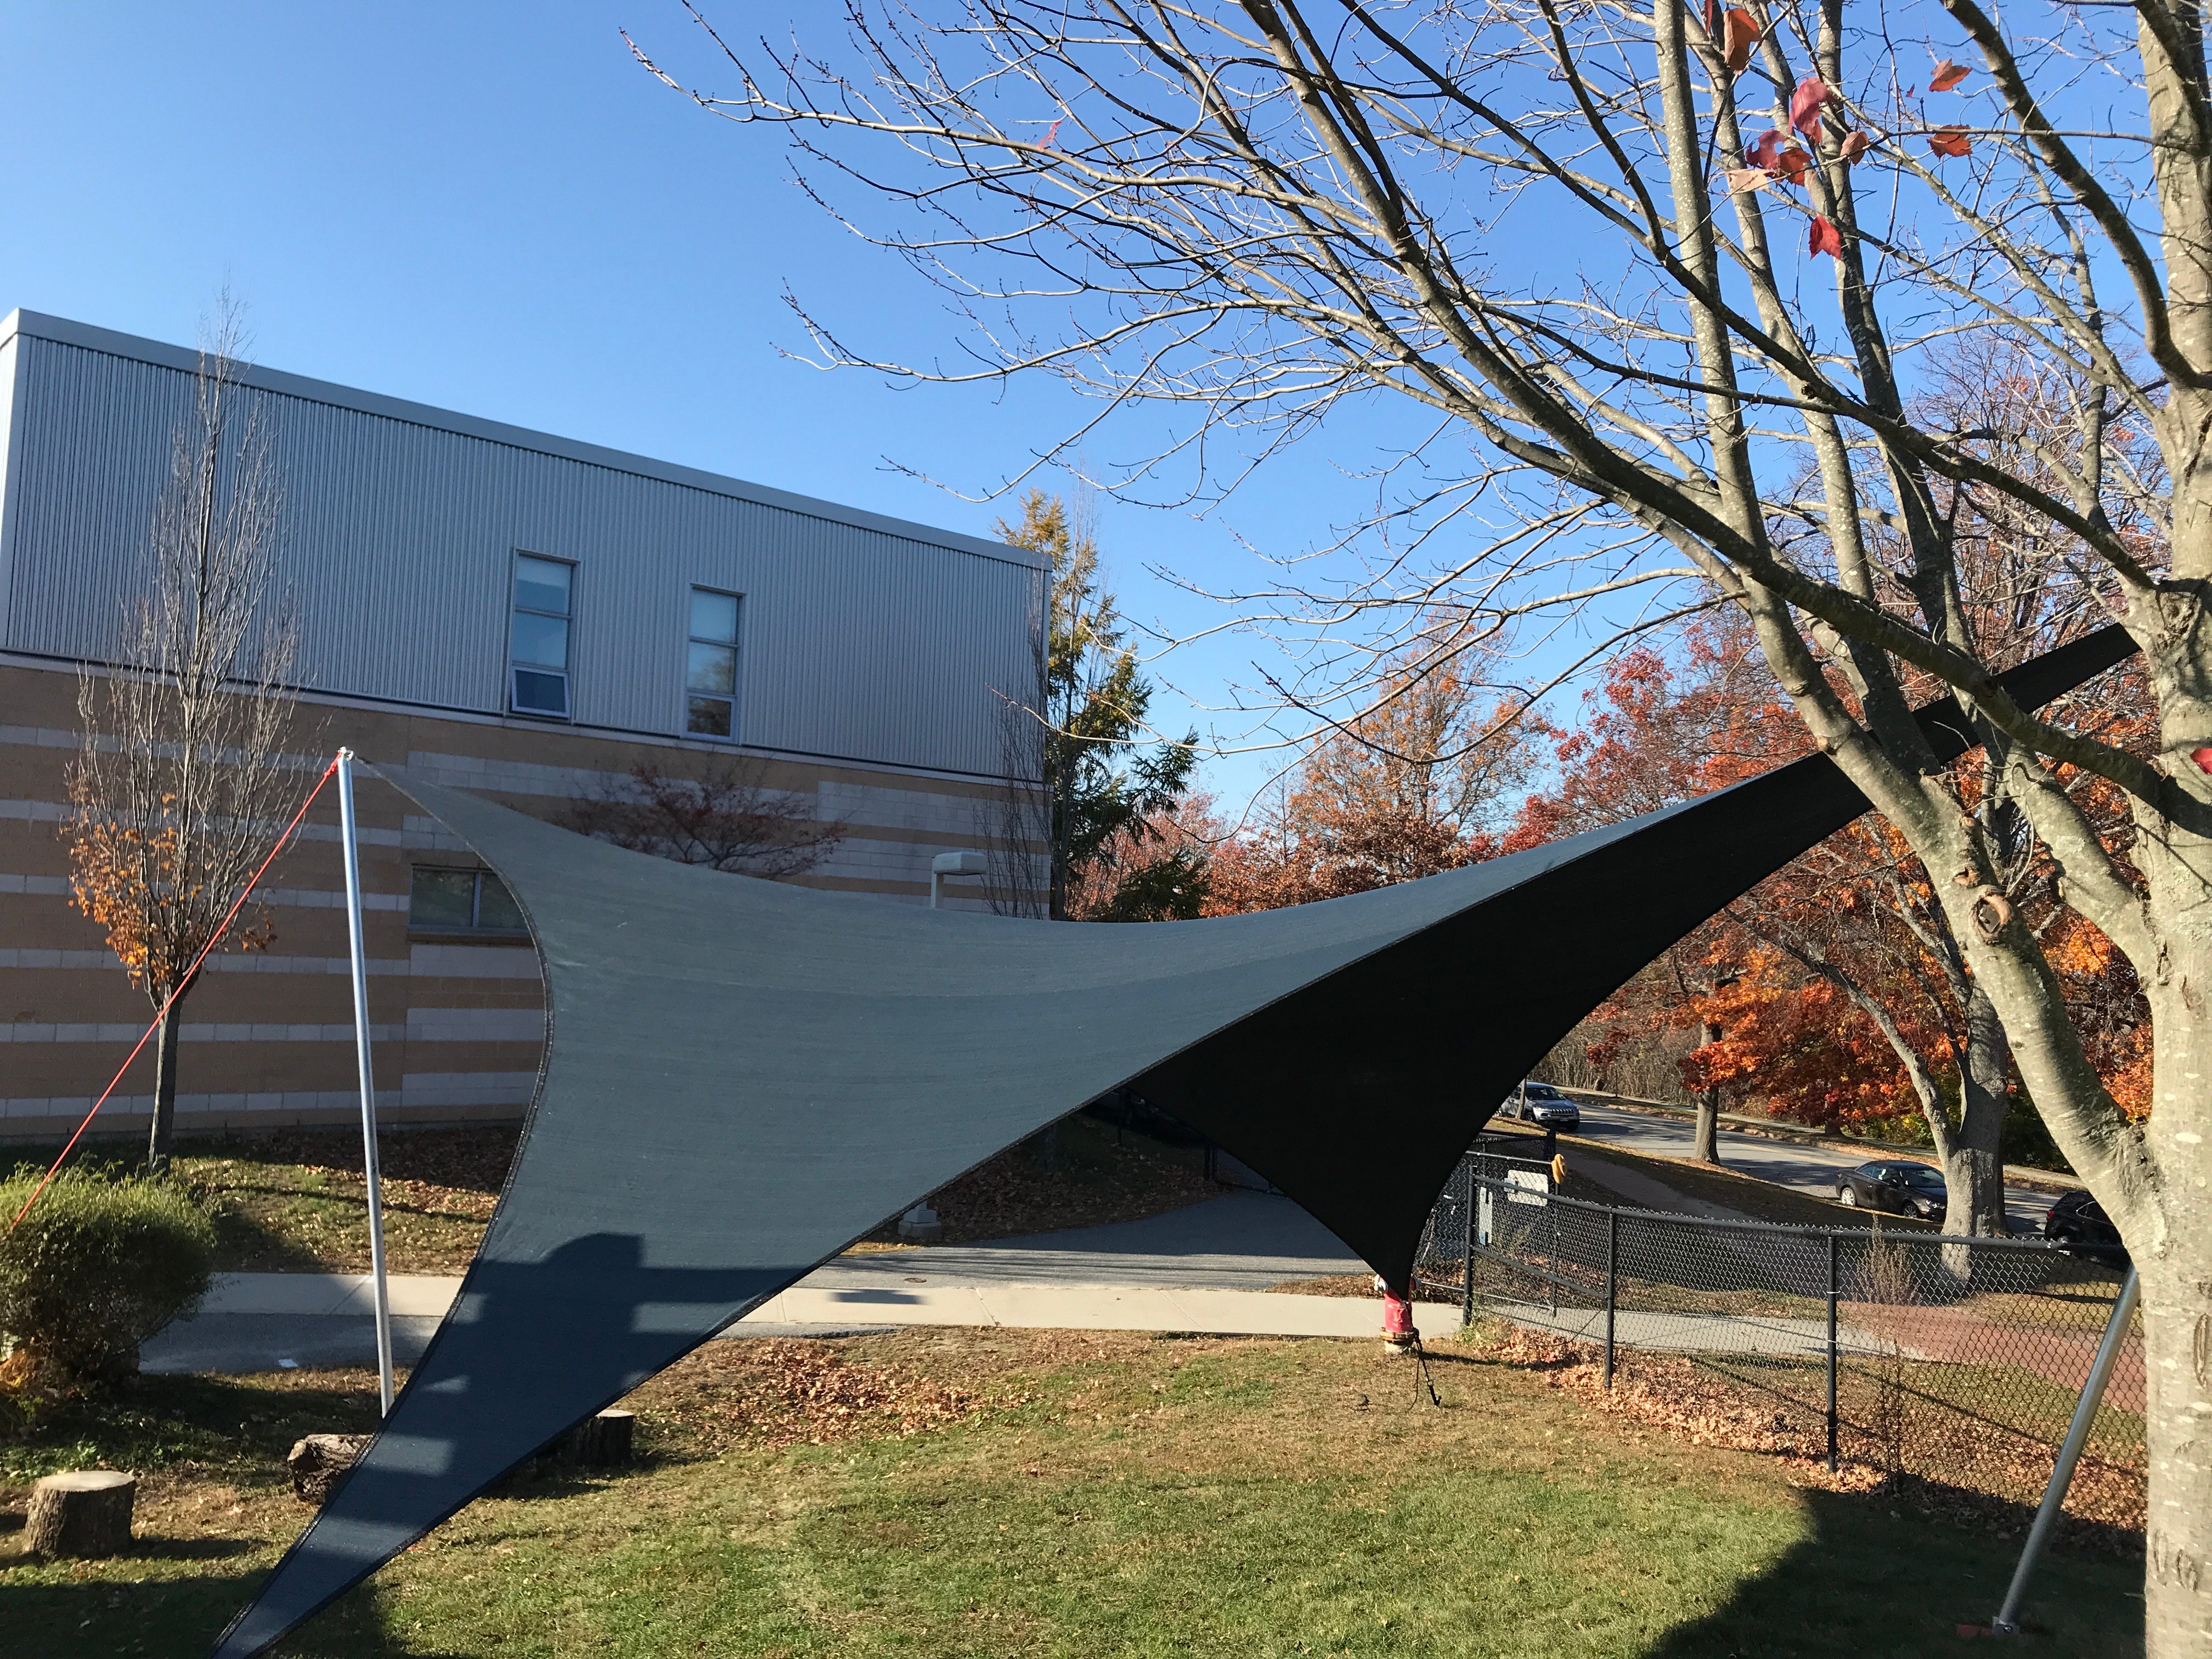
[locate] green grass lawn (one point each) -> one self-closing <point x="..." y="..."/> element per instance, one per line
<point x="1081" y="1494"/>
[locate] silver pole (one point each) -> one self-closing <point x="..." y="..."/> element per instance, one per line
<point x="2062" y="1473"/>
<point x="367" y="1077"/>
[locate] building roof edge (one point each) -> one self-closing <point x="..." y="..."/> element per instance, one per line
<point x="66" y="331"/>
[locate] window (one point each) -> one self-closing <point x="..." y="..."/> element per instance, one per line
<point x="462" y="902"/>
<point x="710" y="678"/>
<point x="538" y="646"/>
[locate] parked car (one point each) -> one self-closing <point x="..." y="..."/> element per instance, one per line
<point x="1913" y="1189"/>
<point x="2077" y="1224"/>
<point x="1546" y="1107"/>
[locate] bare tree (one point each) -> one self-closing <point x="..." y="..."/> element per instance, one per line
<point x="1251" y="212"/>
<point x="180" y="781"/>
<point x="727" y="818"/>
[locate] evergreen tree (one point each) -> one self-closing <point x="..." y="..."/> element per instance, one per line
<point x="1118" y="853"/>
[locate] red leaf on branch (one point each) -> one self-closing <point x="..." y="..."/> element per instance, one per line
<point x="1856" y="145"/>
<point x="1825" y="239"/>
<point x="1738" y="36"/>
<point x="1761" y="154"/>
<point x="1792" y="165"/>
<point x="1950" y="141"/>
<point x="1947" y="74"/>
<point x="1806" y="103"/>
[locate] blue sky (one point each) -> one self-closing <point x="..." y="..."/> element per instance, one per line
<point x="491" y="208"/>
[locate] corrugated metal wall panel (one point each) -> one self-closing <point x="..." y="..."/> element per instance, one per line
<point x="398" y="545"/>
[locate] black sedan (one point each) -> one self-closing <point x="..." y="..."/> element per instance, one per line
<point x="2077" y="1224"/>
<point x="1546" y="1108"/>
<point x="1913" y="1189"/>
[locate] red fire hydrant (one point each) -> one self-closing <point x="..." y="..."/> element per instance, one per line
<point x="1398" y="1333"/>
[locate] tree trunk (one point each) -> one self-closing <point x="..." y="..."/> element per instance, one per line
<point x="2177" y="1326"/>
<point x="163" y="1130"/>
<point x="1704" y="1140"/>
<point x="2171" y="1241"/>
<point x="86" y="1514"/>
<point x="1974" y="1171"/>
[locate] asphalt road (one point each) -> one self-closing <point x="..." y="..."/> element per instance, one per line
<point x="1786" y="1163"/>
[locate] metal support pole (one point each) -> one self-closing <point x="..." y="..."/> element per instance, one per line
<point x="1552" y="1213"/>
<point x="367" y="1075"/>
<point x="2077" y="1433"/>
<point x="1612" y="1283"/>
<point x="1467" y="1264"/>
<point x="1834" y="1286"/>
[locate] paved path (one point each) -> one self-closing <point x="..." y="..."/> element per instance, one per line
<point x="1786" y="1163"/>
<point x="1669" y="1332"/>
<point x="1205" y="1267"/>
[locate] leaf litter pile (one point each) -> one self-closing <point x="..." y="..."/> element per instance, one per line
<point x="770" y="1393"/>
<point x="1942" y="1462"/>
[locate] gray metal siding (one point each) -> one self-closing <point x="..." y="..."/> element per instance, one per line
<point x="397" y="546"/>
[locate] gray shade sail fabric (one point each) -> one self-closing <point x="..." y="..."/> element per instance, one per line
<point x="741" y="1078"/>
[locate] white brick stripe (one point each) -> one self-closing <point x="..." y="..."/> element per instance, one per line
<point x="468" y="1087"/>
<point x="424" y="1025"/>
<point x="243" y="962"/>
<point x="417" y="1089"/>
<point x="473" y="962"/>
<point x="475" y="1025"/>
<point x="47" y="811"/>
<point x="309" y="898"/>
<point x="290" y="1100"/>
<point x="110" y="1031"/>
<point x="422" y="961"/>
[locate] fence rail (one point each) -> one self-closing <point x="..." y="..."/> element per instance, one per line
<point x="1956" y="1359"/>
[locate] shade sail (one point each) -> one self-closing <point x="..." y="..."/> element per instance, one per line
<point x="741" y="1078"/>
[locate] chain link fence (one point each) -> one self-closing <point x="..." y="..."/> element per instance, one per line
<point x="1956" y="1360"/>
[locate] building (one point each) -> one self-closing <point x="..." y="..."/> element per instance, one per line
<point x="493" y="608"/>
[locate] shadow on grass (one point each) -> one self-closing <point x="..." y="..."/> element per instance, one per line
<point x="102" y="1619"/>
<point x="1848" y="1588"/>
<point x="230" y="1426"/>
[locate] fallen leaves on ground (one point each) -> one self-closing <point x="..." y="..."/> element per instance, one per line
<point x="1083" y="1178"/>
<point x="776" y="1393"/>
<point x="1970" y="1473"/>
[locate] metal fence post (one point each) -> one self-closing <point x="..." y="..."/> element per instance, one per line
<point x="1834" y="1285"/>
<point x="1551" y="1214"/>
<point x="2077" y="1435"/>
<point x="1467" y="1249"/>
<point x="1612" y="1282"/>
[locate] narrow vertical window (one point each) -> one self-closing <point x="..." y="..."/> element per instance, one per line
<point x="710" y="680"/>
<point x="539" y="636"/>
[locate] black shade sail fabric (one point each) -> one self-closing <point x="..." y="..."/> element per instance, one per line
<point x="741" y="1078"/>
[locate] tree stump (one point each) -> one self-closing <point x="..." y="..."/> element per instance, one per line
<point x="600" y="1442"/>
<point x="317" y="1461"/>
<point x="84" y="1514"/>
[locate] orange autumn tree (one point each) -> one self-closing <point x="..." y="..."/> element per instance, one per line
<point x="1663" y="727"/>
<point x="180" y="782"/>
<point x="1834" y="992"/>
<point x="1418" y="783"/>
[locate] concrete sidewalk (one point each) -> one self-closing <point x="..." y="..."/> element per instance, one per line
<point x="1206" y="1266"/>
<point x="260" y="1322"/>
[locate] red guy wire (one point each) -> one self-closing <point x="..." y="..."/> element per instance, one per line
<point x="214" y="939"/>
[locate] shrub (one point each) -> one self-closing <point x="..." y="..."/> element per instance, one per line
<point x="96" y="1267"/>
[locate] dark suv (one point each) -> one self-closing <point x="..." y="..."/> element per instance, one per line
<point x="2077" y="1224"/>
